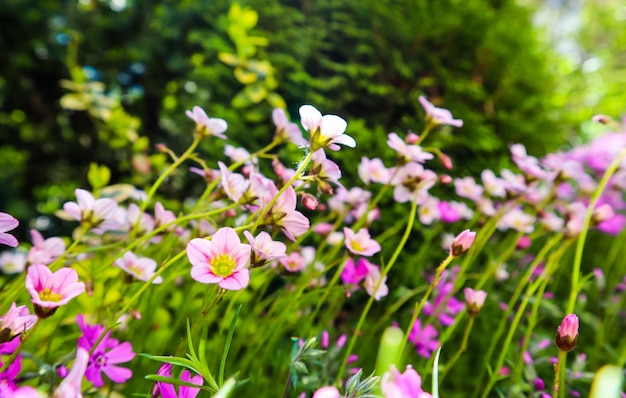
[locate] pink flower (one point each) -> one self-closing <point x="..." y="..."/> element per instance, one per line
<point x="438" y="116"/>
<point x="51" y="290"/>
<point x="264" y="249"/>
<point x="7" y="223"/>
<point x="16" y="321"/>
<point x="71" y="386"/>
<point x="324" y="131"/>
<point x="105" y="356"/>
<point x="475" y="300"/>
<point x="567" y="333"/>
<point x="354" y="272"/>
<point x="360" y="243"/>
<point x="327" y="392"/>
<point x="373" y="170"/>
<point x="44" y="251"/>
<point x="294" y="262"/>
<point x="429" y="210"/>
<point x="162" y="216"/>
<point x="221" y="260"/>
<point x="467" y="188"/>
<point x="462" y="243"/>
<point x="98" y="214"/>
<point x="425" y="339"/>
<point x="233" y="184"/>
<point x="206" y="126"/>
<point x="373" y="284"/>
<point x="284" y="214"/>
<point x="407" y="152"/>
<point x="142" y="268"/>
<point x="167" y="390"/>
<point x="12" y="261"/>
<point x="324" y="170"/>
<point x="286" y="130"/>
<point x="403" y="385"/>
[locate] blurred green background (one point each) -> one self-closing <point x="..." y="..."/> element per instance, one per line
<point x="514" y="71"/>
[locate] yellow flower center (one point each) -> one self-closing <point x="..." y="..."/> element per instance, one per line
<point x="223" y="265"/>
<point x="47" y="295"/>
<point x="356" y="246"/>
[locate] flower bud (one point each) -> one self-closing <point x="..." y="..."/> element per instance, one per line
<point x="567" y="333"/>
<point x="309" y="201"/>
<point x="462" y="243"/>
<point x="475" y="299"/>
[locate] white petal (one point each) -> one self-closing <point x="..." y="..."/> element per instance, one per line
<point x="310" y="117"/>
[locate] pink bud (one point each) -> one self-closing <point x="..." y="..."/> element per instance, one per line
<point x="604" y="119"/>
<point x="445" y="179"/>
<point x="475" y="300"/>
<point x="567" y="333"/>
<point x="309" y="201"/>
<point x="412" y="138"/>
<point x="445" y="161"/>
<point x="462" y="243"/>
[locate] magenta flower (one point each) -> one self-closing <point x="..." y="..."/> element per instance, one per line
<point x="98" y="214"/>
<point x="462" y="243"/>
<point x="360" y="243"/>
<point x="16" y="321"/>
<point x="325" y="131"/>
<point x="221" y="260"/>
<point x="264" y="249"/>
<point x="327" y="392"/>
<point x="142" y="268"/>
<point x="438" y="116"/>
<point x="105" y="356"/>
<point x="49" y="291"/>
<point x="44" y="251"/>
<point x="403" y="385"/>
<point x="71" y="386"/>
<point x="354" y="271"/>
<point x="567" y="333"/>
<point x="206" y="126"/>
<point x="425" y="339"/>
<point x="166" y="390"/>
<point x="7" y="223"/>
<point x="475" y="299"/>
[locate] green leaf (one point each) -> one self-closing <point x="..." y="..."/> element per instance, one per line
<point x="607" y="382"/>
<point x="276" y="101"/>
<point x="229" y="59"/>
<point x="241" y="100"/>
<point x="74" y="102"/>
<point x="229" y="339"/>
<point x="256" y="92"/>
<point x="244" y="76"/>
<point x="98" y="176"/>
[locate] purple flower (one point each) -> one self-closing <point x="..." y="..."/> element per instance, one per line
<point x="167" y="390"/>
<point x="425" y="339"/>
<point x="7" y="223"/>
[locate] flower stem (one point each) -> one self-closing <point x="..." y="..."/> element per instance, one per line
<point x="370" y="301"/>
<point x="557" y="373"/>
<point x="457" y="355"/>
<point x="419" y="306"/>
<point x="23" y="338"/>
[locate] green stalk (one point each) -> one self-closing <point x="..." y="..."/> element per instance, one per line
<point x="385" y="270"/>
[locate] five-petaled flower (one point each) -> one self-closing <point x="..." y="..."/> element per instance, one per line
<point x="48" y="290"/>
<point x="93" y="213"/>
<point x="16" y="321"/>
<point x="7" y="223"/>
<point x="438" y="116"/>
<point x="221" y="260"/>
<point x="324" y="131"/>
<point x="142" y="268"/>
<point x="205" y="125"/>
<point x="403" y="385"/>
<point x="361" y="243"/>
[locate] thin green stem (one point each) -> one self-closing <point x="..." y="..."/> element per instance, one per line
<point x="162" y="178"/>
<point x="370" y="301"/>
<point x="419" y="306"/>
<point x="575" y="287"/>
<point x="462" y="349"/>
<point x="23" y="339"/>
<point x="557" y="374"/>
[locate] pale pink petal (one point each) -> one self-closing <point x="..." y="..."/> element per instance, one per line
<point x="333" y="126"/>
<point x="7" y="222"/>
<point x="310" y="117"/>
<point x="345" y="140"/>
<point x="62" y="278"/>
<point x="73" y="210"/>
<point x="9" y="240"/>
<point x="237" y="281"/>
<point x="85" y="199"/>
<point x="202" y="273"/>
<point x="198" y="251"/>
